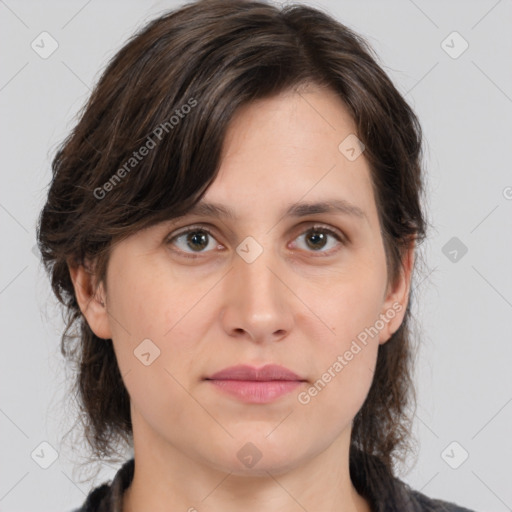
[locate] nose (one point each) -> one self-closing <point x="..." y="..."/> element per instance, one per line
<point x="258" y="303"/>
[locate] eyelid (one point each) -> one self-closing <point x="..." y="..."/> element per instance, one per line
<point x="332" y="231"/>
<point x="302" y="230"/>
<point x="310" y="225"/>
<point x="184" y="231"/>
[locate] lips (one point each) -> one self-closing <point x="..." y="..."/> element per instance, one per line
<point x="270" y="372"/>
<point x="256" y="385"/>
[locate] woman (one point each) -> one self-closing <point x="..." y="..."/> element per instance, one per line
<point x="233" y="224"/>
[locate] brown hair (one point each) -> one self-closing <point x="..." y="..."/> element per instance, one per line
<point x="173" y="88"/>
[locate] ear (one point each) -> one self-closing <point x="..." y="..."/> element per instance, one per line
<point x="92" y="302"/>
<point x="397" y="297"/>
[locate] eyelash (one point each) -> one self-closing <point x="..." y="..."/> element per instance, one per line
<point x="318" y="228"/>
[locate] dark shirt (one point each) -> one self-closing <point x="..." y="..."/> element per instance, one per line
<point x="394" y="495"/>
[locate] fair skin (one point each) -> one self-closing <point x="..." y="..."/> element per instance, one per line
<point x="291" y="306"/>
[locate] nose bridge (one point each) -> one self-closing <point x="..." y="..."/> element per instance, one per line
<point x="259" y="285"/>
<point x="257" y="301"/>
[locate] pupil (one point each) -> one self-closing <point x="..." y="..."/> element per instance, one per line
<point x="318" y="237"/>
<point x="199" y="236"/>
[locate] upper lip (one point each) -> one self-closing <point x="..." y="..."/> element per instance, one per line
<point x="265" y="373"/>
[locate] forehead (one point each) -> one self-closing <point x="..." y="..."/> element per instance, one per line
<point x="285" y="150"/>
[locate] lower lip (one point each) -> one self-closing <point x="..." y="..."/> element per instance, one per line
<point x="256" y="392"/>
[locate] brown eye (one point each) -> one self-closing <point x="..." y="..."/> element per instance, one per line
<point x="318" y="238"/>
<point x="195" y="239"/>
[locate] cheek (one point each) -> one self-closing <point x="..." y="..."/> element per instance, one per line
<point x="350" y="301"/>
<point x="157" y="319"/>
<point x="156" y="352"/>
<point x="344" y="357"/>
<point x="150" y="299"/>
<point x="346" y="352"/>
<point x="332" y="401"/>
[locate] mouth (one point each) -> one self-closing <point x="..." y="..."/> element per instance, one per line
<point x="256" y="385"/>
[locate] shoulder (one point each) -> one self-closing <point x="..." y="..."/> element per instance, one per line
<point x="108" y="497"/>
<point x="96" y="500"/>
<point x="385" y="491"/>
<point x="423" y="503"/>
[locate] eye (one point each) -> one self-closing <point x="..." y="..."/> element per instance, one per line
<point x="316" y="239"/>
<point x="197" y="238"/>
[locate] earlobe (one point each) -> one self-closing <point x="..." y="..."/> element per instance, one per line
<point x="397" y="299"/>
<point x="92" y="302"/>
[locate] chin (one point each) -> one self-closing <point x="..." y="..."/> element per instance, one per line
<point x="257" y="456"/>
<point x="263" y="468"/>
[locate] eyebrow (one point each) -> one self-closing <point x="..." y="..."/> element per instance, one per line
<point x="336" y="206"/>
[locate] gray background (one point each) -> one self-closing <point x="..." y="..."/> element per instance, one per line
<point x="465" y="106"/>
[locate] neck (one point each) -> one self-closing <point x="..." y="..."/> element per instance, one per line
<point x="166" y="479"/>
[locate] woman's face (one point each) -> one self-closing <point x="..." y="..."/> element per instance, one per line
<point x="307" y="291"/>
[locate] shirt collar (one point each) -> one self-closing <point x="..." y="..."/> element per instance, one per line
<point x="383" y="493"/>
